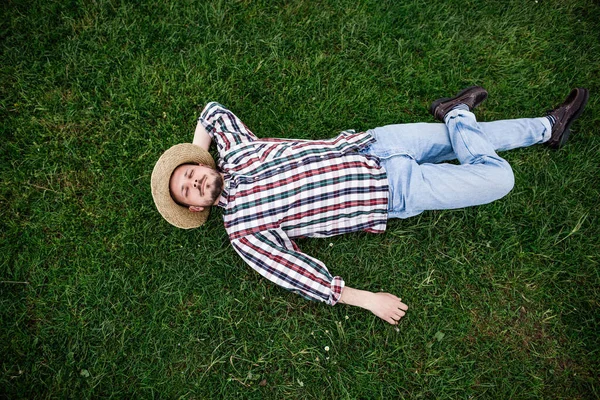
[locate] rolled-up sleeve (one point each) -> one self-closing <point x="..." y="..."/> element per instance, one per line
<point x="273" y="255"/>
<point x="224" y="127"/>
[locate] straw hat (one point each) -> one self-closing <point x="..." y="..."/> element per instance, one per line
<point x="184" y="153"/>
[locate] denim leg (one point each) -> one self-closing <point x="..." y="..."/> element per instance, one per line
<point x="430" y="142"/>
<point x="481" y="178"/>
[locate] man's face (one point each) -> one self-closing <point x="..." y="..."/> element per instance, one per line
<point x="197" y="186"/>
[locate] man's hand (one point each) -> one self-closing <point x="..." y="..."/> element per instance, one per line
<point x="385" y="305"/>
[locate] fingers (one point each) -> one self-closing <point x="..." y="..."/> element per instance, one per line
<point x="398" y="315"/>
<point x="395" y="319"/>
<point x="395" y="316"/>
<point x="401" y="305"/>
<point x="389" y="308"/>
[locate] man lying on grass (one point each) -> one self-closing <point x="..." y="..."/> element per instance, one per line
<point x="274" y="190"/>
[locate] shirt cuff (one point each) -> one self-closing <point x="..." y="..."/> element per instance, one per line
<point x="337" y="285"/>
<point x="208" y="114"/>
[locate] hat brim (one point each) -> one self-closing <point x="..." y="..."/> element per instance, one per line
<point x="179" y="216"/>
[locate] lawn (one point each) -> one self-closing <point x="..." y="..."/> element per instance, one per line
<point x="100" y="297"/>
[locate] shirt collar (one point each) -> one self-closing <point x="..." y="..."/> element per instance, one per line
<point x="224" y="198"/>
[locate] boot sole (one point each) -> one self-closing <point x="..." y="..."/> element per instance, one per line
<point x="436" y="103"/>
<point x="567" y="131"/>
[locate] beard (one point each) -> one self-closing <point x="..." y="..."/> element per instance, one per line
<point x="214" y="186"/>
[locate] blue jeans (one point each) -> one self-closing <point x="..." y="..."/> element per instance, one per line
<point x="411" y="153"/>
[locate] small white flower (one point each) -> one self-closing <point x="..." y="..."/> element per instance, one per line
<point x="330" y="244"/>
<point x="347" y="317"/>
<point x="326" y="348"/>
<point x="326" y="331"/>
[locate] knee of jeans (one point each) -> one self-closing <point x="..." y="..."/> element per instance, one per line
<point x="506" y="181"/>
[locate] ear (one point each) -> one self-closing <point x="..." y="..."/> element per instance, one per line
<point x="196" y="208"/>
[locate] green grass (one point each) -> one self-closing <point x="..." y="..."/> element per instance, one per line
<point x="99" y="297"/>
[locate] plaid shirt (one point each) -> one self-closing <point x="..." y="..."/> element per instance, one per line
<point x="277" y="189"/>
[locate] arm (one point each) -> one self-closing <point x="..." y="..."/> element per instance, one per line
<point x="273" y="255"/>
<point x="223" y="127"/>
<point x="201" y="137"/>
<point x="385" y="305"/>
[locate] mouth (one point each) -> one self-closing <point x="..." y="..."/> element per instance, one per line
<point x="201" y="186"/>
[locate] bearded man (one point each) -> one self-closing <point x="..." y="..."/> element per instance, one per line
<point x="274" y="190"/>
